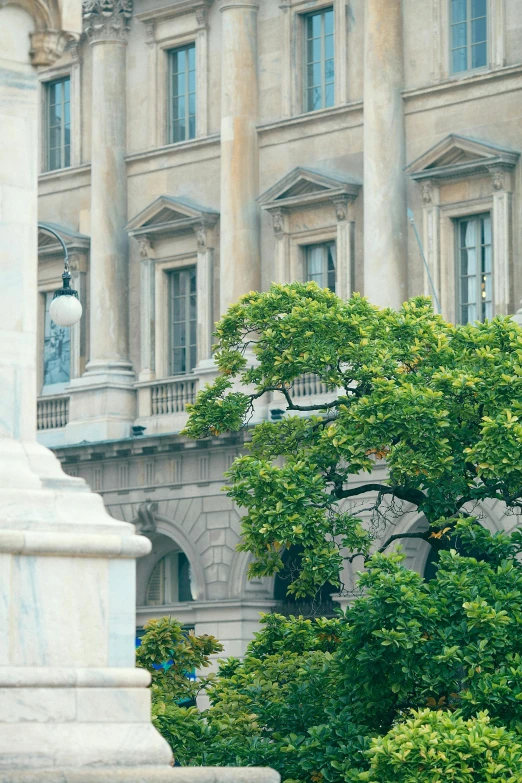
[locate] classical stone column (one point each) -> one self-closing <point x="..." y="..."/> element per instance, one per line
<point x="108" y="410"/>
<point x="106" y="25"/>
<point x="70" y="693"/>
<point x="239" y="254"/>
<point x="385" y="219"/>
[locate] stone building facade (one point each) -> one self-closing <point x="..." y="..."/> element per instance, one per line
<point x="194" y="150"/>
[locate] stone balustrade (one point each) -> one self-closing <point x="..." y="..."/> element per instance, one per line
<point x="172" y="396"/>
<point x="308" y="385"/>
<point x="52" y="412"/>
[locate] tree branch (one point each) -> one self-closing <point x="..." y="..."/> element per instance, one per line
<point x="396" y="536"/>
<point x="411" y="495"/>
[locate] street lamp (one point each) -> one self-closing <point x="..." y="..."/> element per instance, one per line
<point x="66" y="308"/>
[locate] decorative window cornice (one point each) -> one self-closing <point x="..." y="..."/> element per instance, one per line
<point x="167" y="216"/>
<point x="458" y="157"/>
<point x="304" y="187"/>
<point x="74" y="241"/>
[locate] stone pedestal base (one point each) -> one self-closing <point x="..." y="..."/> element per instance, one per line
<point x="145" y="775"/>
<point x="102" y="405"/>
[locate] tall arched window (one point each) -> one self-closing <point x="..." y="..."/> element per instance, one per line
<point x="170" y="581"/>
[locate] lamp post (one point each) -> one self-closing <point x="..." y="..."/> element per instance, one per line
<point x="66" y="308"/>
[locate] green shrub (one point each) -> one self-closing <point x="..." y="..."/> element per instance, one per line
<point x="440" y="747"/>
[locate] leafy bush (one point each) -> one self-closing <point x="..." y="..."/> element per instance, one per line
<point x="435" y="747"/>
<point x="312" y="697"/>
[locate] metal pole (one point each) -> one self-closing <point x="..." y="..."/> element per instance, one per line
<point x="411" y="218"/>
<point x="45" y="227"/>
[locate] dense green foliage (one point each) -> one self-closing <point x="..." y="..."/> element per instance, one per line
<point x="440" y="403"/>
<point x="331" y="700"/>
<point x="438" y="746"/>
<point x="418" y="681"/>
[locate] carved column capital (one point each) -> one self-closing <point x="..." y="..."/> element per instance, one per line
<point x="201" y="16"/>
<point x="278" y="221"/>
<point x="47" y="46"/>
<point x="341" y="208"/>
<point x="145" y="247"/>
<point x="201" y="237"/>
<point x="107" y="20"/>
<point x="500" y="178"/>
<point x="427" y="192"/>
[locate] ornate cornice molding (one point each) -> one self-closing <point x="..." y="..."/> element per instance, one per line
<point x="107" y="20"/>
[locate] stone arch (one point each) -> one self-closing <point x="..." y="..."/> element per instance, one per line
<point x="491" y="513"/>
<point x="239" y="586"/>
<point x="55" y="24"/>
<point x="167" y="530"/>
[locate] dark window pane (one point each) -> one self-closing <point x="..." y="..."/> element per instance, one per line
<point x="183" y="309"/>
<point x="329" y="95"/>
<point x="329" y="70"/>
<point x="314" y="99"/>
<point x="319" y="59"/>
<point x="184" y="578"/>
<point x="329" y="47"/>
<point x="328" y="22"/>
<point x="191" y="52"/>
<point x="458" y="61"/>
<point x="459" y="35"/>
<point x="192" y="127"/>
<point x="478" y="8"/>
<point x="55" y="137"/>
<point x="314" y="25"/>
<point x="331" y="268"/>
<point x="58" y="124"/>
<point x="458" y="11"/>
<point x="479" y="55"/>
<point x="57" y="349"/>
<point x="314" y="50"/>
<point x="478" y="30"/>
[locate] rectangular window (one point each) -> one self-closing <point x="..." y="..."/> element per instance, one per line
<point x="469" y="35"/>
<point x="57" y="349"/>
<point x="58" y="124"/>
<point x="182" y="94"/>
<point x="320" y="264"/>
<point x="475" y="282"/>
<point x="183" y="321"/>
<point x="319" y="59"/>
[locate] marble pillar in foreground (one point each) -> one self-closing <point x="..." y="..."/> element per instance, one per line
<point x="239" y="221"/>
<point x="109" y="411"/>
<point x="70" y="695"/>
<point x="385" y="218"/>
<point x="73" y="706"/>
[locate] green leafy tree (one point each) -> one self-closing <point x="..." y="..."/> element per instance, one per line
<point x="315" y="698"/>
<point x="412" y="664"/>
<point x="439" y="403"/>
<point x="172" y="655"/>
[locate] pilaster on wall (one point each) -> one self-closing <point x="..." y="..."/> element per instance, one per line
<point x="102" y="402"/>
<point x="501" y="181"/>
<point x="385" y="237"/>
<point x="240" y="251"/>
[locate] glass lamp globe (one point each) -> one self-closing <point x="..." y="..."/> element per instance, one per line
<point x="66" y="309"/>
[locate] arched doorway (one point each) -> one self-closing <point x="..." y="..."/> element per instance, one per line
<point x="165" y="576"/>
